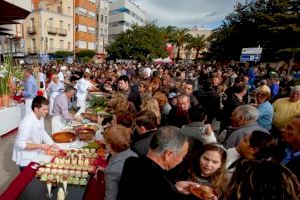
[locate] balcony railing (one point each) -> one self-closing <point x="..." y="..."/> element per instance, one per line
<point x="52" y="50"/>
<point x="62" y="32"/>
<point x="52" y="30"/>
<point x="31" y="50"/>
<point x="31" y="30"/>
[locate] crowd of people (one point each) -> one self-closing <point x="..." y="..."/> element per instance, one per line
<point x="233" y="128"/>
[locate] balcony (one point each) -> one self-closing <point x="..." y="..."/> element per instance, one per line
<point x="62" y="32"/>
<point x="52" y="30"/>
<point x="53" y="50"/>
<point x="32" y="50"/>
<point x="31" y="30"/>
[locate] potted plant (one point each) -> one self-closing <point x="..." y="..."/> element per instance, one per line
<point x="7" y="85"/>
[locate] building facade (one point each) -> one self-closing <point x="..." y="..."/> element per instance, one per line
<point x="122" y="15"/>
<point x="85" y="24"/>
<point x="48" y="29"/>
<point x="102" y="26"/>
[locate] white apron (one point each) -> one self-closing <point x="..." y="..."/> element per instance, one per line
<point x="51" y="101"/>
<point x="58" y="124"/>
<point x="81" y="99"/>
<point x="28" y="103"/>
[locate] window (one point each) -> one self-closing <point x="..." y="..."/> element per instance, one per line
<point x="82" y="28"/>
<point x="93" y="1"/>
<point x="69" y="27"/>
<point x="31" y="22"/>
<point x="51" y="43"/>
<point x="91" y="45"/>
<point x="61" y="44"/>
<point x="33" y="45"/>
<point x="105" y="19"/>
<point x="69" y="45"/>
<point x="81" y="11"/>
<point x="50" y="22"/>
<point x="61" y="24"/>
<point x="92" y="14"/>
<point x="105" y="32"/>
<point x="80" y="44"/>
<point x="69" y="9"/>
<point x="101" y="31"/>
<point x="102" y="18"/>
<point x="91" y="30"/>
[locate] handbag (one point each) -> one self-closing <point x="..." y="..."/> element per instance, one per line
<point x="95" y="189"/>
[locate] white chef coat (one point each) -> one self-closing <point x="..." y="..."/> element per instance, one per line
<point x="31" y="130"/>
<point x="82" y="91"/>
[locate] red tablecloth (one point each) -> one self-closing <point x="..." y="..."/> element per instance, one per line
<point x="20" y="182"/>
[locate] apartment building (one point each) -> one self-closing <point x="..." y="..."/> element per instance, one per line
<point x="11" y="29"/>
<point x="49" y="28"/>
<point x="85" y="24"/>
<point x="102" y="26"/>
<point x="122" y="15"/>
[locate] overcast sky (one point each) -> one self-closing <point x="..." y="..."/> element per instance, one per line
<point x="187" y="13"/>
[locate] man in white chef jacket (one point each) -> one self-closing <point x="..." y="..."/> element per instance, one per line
<point x="32" y="137"/>
<point x="83" y="86"/>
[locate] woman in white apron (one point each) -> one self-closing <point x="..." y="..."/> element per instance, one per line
<point x="83" y="86"/>
<point x="55" y="87"/>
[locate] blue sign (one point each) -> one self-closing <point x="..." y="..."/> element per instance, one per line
<point x="250" y="57"/>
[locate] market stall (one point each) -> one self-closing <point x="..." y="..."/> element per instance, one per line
<point x="11" y="118"/>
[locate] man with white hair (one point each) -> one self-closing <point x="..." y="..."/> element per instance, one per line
<point x="243" y="121"/>
<point x="147" y="177"/>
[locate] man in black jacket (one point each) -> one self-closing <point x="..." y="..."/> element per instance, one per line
<point x="131" y="93"/>
<point x="146" y="177"/>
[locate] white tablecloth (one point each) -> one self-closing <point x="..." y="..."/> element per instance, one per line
<point x="11" y="117"/>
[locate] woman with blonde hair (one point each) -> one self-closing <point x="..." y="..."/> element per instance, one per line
<point x="152" y="105"/>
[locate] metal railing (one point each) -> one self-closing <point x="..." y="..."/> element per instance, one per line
<point x="31" y="30"/>
<point x="62" y="32"/>
<point x="32" y="50"/>
<point x="52" y="30"/>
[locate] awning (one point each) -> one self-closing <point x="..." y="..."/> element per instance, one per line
<point x="10" y="12"/>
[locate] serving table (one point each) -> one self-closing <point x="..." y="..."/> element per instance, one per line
<point x="11" y="118"/>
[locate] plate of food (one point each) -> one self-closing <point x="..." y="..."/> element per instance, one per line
<point x="63" y="137"/>
<point x="203" y="192"/>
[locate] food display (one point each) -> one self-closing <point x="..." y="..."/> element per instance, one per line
<point x="63" y="137"/>
<point x="72" y="167"/>
<point x="85" y="132"/>
<point x="203" y="192"/>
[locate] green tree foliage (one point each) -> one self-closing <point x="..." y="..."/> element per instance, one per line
<point x="63" y="54"/>
<point x="142" y="43"/>
<point x="86" y="53"/>
<point x="198" y="43"/>
<point x="272" y="24"/>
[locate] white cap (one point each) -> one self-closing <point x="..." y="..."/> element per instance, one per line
<point x="63" y="68"/>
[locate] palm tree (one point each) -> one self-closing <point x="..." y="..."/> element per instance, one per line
<point x="198" y="43"/>
<point x="181" y="36"/>
<point x="168" y="33"/>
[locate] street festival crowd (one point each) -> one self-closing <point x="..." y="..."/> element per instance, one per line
<point x="233" y="127"/>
